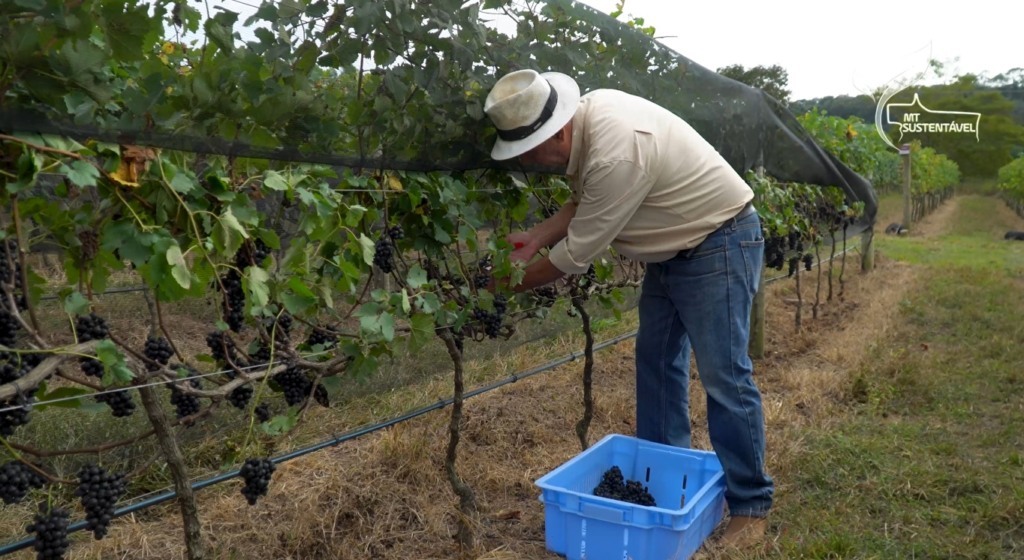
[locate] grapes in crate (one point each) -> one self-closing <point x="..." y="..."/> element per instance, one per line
<point x="614" y="486"/>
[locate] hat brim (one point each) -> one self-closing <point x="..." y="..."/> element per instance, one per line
<point x="568" y="101"/>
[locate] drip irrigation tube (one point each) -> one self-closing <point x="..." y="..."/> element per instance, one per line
<point x="337" y="440"/>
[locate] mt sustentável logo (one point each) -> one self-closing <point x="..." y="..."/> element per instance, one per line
<point x="915" y="118"/>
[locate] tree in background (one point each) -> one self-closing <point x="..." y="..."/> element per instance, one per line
<point x="1011" y="85"/>
<point x="773" y="79"/>
<point x="842" y="106"/>
<point x="999" y="136"/>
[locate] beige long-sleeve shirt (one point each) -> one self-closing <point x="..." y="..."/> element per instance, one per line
<point x="644" y="182"/>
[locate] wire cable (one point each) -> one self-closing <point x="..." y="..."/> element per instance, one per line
<point x="333" y="441"/>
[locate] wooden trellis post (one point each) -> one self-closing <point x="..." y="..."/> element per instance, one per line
<point x="908" y="216"/>
<point x="867" y="250"/>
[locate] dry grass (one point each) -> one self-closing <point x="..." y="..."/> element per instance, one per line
<point x="386" y="495"/>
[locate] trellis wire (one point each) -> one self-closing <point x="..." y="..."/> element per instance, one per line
<point x="334" y="441"/>
<point x="261" y="366"/>
<point x="337" y="440"/>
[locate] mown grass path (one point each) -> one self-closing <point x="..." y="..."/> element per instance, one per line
<point x="924" y="455"/>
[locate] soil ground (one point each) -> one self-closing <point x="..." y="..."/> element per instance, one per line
<point x="386" y="495"/>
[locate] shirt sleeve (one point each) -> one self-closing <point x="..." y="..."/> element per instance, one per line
<point x="611" y="194"/>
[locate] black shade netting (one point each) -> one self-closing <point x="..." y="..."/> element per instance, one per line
<point x="365" y="84"/>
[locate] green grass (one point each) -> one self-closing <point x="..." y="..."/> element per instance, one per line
<point x="927" y="462"/>
<point x="976" y="242"/>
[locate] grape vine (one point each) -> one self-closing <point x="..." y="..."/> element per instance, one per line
<point x="311" y="271"/>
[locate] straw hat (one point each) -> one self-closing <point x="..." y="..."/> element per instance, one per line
<point x="528" y="108"/>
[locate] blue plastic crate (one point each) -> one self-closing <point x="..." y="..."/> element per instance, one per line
<point x="688" y="486"/>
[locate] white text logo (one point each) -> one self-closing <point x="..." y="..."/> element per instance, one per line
<point x="915" y="118"/>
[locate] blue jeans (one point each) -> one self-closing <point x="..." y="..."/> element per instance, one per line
<point x="701" y="299"/>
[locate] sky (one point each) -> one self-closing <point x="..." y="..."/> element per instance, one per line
<point x="833" y="48"/>
<point x="828" y="48"/>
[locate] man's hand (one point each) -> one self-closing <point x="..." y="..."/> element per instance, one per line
<point x="538" y="274"/>
<point x="525" y="246"/>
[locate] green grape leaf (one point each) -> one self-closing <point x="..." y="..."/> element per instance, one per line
<point x="282" y="423"/>
<point x="44" y="401"/>
<point x="255" y="281"/>
<point x="76" y="304"/>
<point x="300" y="299"/>
<point x="81" y="173"/>
<point x="422" y="331"/>
<point x="368" y="248"/>
<point x="406" y="306"/>
<point x="275" y="181"/>
<point x="417" y="277"/>
<point x="115" y="372"/>
<point x="179" y="268"/>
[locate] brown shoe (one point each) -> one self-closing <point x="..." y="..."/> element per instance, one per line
<point x="744" y="532"/>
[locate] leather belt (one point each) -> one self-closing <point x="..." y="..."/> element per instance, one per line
<point x="746" y="211"/>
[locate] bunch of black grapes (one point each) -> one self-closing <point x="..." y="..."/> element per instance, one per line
<point x="325" y="336"/>
<point x="239" y="396"/>
<point x="295" y="384"/>
<point x="383" y="255"/>
<point x="222" y="348"/>
<point x="50" y="527"/>
<point x="775" y="252"/>
<point x="614" y="486"/>
<point x="256" y="473"/>
<point x="283" y="324"/>
<point x="776" y="247"/>
<point x="10" y="268"/>
<point x="262" y="353"/>
<point x="12" y="367"/>
<point x="808" y="262"/>
<point x="91" y="327"/>
<point x="482" y="278"/>
<point x="384" y="249"/>
<point x="492" y="320"/>
<point x="10" y="275"/>
<point x="545" y="295"/>
<point x="794" y="263"/>
<point x="184" y="404"/>
<point x="252" y="254"/>
<point x="233" y="302"/>
<point x="120" y="403"/>
<point x="99" y="491"/>
<point x="159" y="350"/>
<point x="16" y="413"/>
<point x="16" y="479"/>
<point x="8" y="328"/>
<point x="262" y="412"/>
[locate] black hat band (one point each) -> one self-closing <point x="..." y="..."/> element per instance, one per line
<point x="521" y="132"/>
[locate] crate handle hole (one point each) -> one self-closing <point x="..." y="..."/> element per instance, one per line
<point x="648" y="475"/>
<point x="684" y="482"/>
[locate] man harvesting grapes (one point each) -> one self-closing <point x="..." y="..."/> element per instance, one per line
<point x="646" y="183"/>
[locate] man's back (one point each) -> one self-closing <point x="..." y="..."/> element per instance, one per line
<point x="636" y="163"/>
